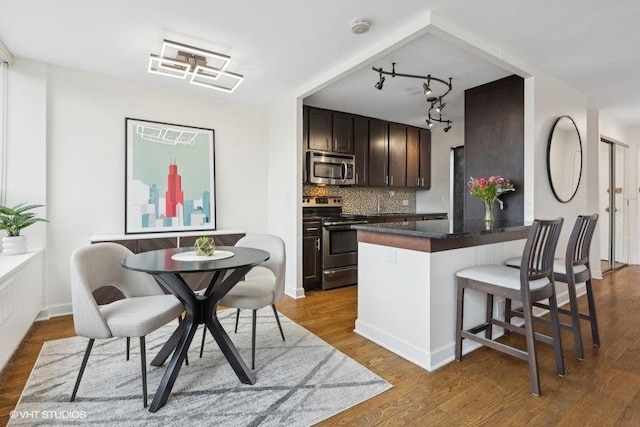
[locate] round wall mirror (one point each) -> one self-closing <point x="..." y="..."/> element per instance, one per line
<point x="564" y="159"/>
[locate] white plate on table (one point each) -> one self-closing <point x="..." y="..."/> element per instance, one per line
<point x="191" y="256"/>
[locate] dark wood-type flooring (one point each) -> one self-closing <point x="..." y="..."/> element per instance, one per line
<point x="486" y="387"/>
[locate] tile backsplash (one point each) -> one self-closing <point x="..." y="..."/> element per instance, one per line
<point x="363" y="201"/>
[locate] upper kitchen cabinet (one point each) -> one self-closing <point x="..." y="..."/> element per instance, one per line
<point x="329" y="131"/>
<point x="378" y="152"/>
<point x="342" y="133"/>
<point x="397" y="155"/>
<point x="418" y="158"/>
<point x="413" y="157"/>
<point x="386" y="154"/>
<point x="361" y="149"/>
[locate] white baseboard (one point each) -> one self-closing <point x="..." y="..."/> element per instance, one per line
<point x="295" y="293"/>
<point x="55" y="311"/>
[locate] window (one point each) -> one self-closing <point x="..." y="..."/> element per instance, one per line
<point x="3" y="128"/>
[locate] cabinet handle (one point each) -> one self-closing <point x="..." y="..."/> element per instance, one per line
<point x="356" y="177"/>
<point x="328" y="143"/>
<point x="312" y="229"/>
<point x="386" y="179"/>
<point x="418" y="182"/>
<point x="422" y="185"/>
<point x="391" y="180"/>
<point x="318" y="244"/>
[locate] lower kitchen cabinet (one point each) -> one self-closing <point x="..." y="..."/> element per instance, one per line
<point x="311" y="253"/>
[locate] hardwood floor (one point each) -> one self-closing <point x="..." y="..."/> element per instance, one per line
<point x="486" y="387"/>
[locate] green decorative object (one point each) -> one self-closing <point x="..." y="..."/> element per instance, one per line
<point x="12" y="220"/>
<point x="205" y="246"/>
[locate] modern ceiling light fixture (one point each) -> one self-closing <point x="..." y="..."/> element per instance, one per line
<point x="205" y="68"/>
<point x="434" y="101"/>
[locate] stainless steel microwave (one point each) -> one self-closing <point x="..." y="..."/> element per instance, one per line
<point x="328" y="168"/>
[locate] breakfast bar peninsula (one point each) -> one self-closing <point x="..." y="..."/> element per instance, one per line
<point x="407" y="282"/>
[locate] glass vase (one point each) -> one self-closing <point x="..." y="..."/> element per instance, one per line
<point x="488" y="211"/>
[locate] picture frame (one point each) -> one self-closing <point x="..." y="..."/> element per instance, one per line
<point x="169" y="177"/>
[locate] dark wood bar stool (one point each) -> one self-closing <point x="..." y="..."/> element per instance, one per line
<point x="527" y="285"/>
<point x="574" y="268"/>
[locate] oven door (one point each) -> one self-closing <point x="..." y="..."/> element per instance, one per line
<point x="339" y="245"/>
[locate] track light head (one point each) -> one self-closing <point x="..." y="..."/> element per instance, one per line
<point x="380" y="83"/>
<point x="440" y="107"/>
<point x="429" y="123"/>
<point x="447" y="129"/>
<point x="427" y="89"/>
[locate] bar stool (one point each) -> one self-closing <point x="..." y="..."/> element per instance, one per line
<point x="574" y="268"/>
<point x="527" y="285"/>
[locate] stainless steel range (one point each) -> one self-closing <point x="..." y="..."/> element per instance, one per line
<point x="339" y="243"/>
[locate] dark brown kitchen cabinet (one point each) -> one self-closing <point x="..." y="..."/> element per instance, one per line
<point x="386" y="154"/>
<point x="361" y="149"/>
<point x="425" y="159"/>
<point x="329" y="131"/>
<point x="320" y="130"/>
<point x="418" y="158"/>
<point x="378" y="152"/>
<point x="397" y="155"/>
<point x="311" y="254"/>
<point x="413" y="157"/>
<point x="342" y="133"/>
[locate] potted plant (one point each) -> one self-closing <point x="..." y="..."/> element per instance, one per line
<point x="13" y="220"/>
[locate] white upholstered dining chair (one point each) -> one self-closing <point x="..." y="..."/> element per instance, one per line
<point x="264" y="285"/>
<point x="144" y="309"/>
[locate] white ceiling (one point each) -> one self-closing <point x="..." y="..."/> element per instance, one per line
<point x="280" y="45"/>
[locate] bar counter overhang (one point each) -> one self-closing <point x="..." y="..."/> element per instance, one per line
<point x="407" y="282"/>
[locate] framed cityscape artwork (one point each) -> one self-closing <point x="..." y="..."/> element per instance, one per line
<point x="170" y="178"/>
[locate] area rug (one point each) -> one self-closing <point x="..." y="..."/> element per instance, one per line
<point x="300" y="381"/>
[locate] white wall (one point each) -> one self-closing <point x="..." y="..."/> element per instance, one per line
<point x="85" y="152"/>
<point x="438" y="198"/>
<point x="285" y="186"/>
<point x="553" y="99"/>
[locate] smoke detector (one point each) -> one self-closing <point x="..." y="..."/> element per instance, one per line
<point x="359" y="26"/>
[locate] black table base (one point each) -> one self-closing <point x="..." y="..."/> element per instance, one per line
<point x="200" y="309"/>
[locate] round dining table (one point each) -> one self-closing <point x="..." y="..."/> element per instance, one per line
<point x="229" y="265"/>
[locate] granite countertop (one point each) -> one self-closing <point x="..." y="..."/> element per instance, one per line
<point x="384" y="214"/>
<point x="443" y="228"/>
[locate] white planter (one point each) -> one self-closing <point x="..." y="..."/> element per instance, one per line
<point x="14" y="245"/>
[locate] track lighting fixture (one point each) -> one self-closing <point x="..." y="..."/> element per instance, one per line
<point x="426" y="86"/>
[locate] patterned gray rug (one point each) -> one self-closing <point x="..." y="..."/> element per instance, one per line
<point x="300" y="381"/>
